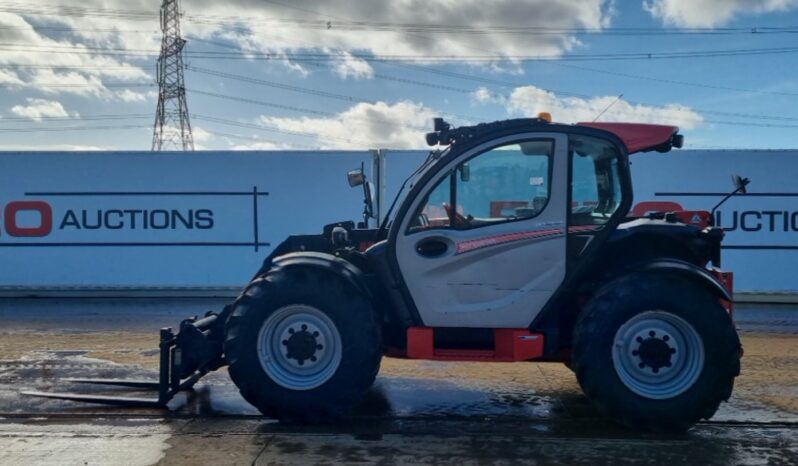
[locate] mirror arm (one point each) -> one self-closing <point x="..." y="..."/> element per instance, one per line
<point x="368" y="209"/>
<point x="712" y="213"/>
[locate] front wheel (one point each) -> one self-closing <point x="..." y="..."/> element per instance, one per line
<point x="303" y="344"/>
<point x="656" y="352"/>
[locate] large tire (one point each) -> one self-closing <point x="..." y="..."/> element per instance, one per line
<point x="280" y="312"/>
<point x="656" y="352"/>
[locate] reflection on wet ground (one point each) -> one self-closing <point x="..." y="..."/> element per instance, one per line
<point x="417" y="411"/>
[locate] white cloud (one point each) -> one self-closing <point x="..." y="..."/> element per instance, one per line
<point x="61" y="65"/>
<point x="353" y="67"/>
<point x="200" y="135"/>
<point x="127" y="95"/>
<point x="263" y="28"/>
<point x="710" y="13"/>
<point x="52" y="147"/>
<point x="259" y="144"/>
<point x="8" y="77"/>
<point x="483" y="95"/>
<point x="530" y="100"/>
<point x="39" y="108"/>
<point x="399" y="126"/>
<point x="52" y="82"/>
<point x="173" y="140"/>
<point x="271" y="27"/>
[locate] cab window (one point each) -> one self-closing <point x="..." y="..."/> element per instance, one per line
<point x="595" y="183"/>
<point x="506" y="183"/>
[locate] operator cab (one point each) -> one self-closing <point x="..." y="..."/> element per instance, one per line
<point x="501" y="220"/>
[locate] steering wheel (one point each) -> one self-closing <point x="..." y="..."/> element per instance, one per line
<point x="457" y="219"/>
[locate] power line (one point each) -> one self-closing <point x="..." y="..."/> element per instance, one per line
<point x="258" y="139"/>
<point x="71" y="128"/>
<point x="322" y="57"/>
<point x="299" y="56"/>
<point x="444" y="87"/>
<point x="461" y="76"/>
<point x="337" y="24"/>
<point x="445" y="28"/>
<point x="508" y="84"/>
<point x="673" y="81"/>
<point x="302" y="90"/>
<point x="421" y="68"/>
<point x="70" y="85"/>
<point x="513" y="85"/>
<point x="275" y="129"/>
<point x="75" y="29"/>
<point x="56" y="66"/>
<point x="277" y="85"/>
<point x="303" y="110"/>
<point x="128" y="116"/>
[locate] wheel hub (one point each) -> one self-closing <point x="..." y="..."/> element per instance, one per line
<point x="654" y="352"/>
<point x="658" y="354"/>
<point x="299" y="347"/>
<point x="302" y="345"/>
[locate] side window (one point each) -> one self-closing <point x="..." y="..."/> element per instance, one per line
<point x="506" y="183"/>
<point x="595" y="183"/>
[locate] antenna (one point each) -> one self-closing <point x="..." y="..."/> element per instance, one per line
<point x="608" y="106"/>
<point x="172" y="128"/>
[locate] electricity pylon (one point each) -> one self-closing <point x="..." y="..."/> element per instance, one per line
<point x="172" y="129"/>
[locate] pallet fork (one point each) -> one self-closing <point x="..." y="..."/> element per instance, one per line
<point x="179" y="369"/>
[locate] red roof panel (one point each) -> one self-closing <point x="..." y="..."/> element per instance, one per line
<point x="637" y="136"/>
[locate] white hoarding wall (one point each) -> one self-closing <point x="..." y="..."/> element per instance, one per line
<point x="163" y="220"/>
<point x="761" y="244"/>
<point x="207" y="219"/>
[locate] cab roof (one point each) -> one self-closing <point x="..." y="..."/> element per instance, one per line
<point x="640" y="137"/>
<point x="637" y="137"/>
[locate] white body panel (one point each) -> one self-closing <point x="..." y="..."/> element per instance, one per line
<point x="495" y="275"/>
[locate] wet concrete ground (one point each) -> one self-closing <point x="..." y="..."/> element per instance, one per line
<point x="417" y="412"/>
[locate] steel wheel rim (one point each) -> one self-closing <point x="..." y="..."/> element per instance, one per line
<point x="658" y="355"/>
<point x="299" y="347"/>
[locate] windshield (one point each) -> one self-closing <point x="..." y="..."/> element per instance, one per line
<point x="502" y="184"/>
<point x="408" y="184"/>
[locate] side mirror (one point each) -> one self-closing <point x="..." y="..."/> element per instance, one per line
<point x="465" y="172"/>
<point x="740" y="184"/>
<point x="355" y="177"/>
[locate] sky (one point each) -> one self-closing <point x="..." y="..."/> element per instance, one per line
<point x="360" y="74"/>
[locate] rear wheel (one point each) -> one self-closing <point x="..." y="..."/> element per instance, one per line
<point x="303" y="344"/>
<point x="656" y="352"/>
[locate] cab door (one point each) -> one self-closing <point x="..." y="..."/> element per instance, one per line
<point x="484" y="243"/>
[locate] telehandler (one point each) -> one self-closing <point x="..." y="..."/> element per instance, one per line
<point x="514" y="242"/>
